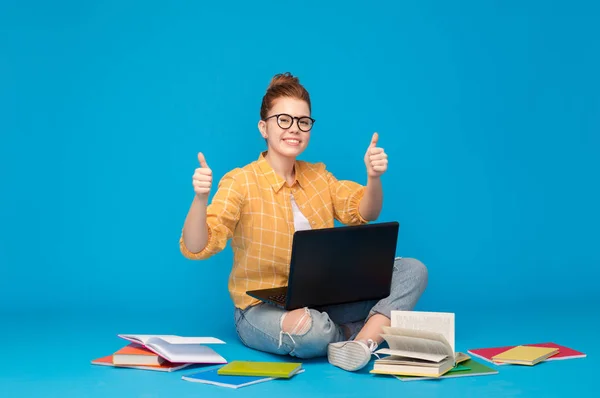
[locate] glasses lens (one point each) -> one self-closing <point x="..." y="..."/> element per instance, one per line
<point x="305" y="123"/>
<point x="285" y="121"/>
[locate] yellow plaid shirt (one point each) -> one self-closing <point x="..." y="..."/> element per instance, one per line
<point x="252" y="207"/>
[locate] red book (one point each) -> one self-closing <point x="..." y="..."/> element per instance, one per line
<point x="563" y="352"/>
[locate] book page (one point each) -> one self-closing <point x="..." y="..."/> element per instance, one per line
<point x="396" y="361"/>
<point x="421" y="334"/>
<point x="189" y="340"/>
<point x="438" y="322"/>
<point x="413" y="357"/>
<point x="418" y="346"/>
<point x="169" y="338"/>
<point x="184" y="353"/>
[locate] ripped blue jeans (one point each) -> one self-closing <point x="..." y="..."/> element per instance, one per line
<point x="260" y="326"/>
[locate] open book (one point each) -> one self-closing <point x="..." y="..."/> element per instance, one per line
<point x="177" y="349"/>
<point x="420" y="344"/>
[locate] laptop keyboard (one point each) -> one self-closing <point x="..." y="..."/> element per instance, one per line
<point x="278" y="298"/>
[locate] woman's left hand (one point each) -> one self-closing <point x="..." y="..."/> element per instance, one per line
<point x="375" y="159"/>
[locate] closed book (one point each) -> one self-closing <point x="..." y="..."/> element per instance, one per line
<point x="468" y="368"/>
<point x="266" y="369"/>
<point x="163" y="367"/>
<point x="136" y="354"/>
<point x="525" y="355"/>
<point x="211" y="376"/>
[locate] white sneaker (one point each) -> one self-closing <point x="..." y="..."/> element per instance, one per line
<point x="350" y="355"/>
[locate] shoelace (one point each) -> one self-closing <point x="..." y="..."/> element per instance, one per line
<point x="372" y="347"/>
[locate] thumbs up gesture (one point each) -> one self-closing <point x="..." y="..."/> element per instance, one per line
<point x="375" y="159"/>
<point x="202" y="179"/>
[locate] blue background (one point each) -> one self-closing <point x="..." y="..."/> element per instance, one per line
<point x="489" y="112"/>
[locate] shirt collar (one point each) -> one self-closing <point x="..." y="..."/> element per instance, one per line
<point x="276" y="181"/>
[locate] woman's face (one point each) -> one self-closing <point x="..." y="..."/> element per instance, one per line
<point x="284" y="134"/>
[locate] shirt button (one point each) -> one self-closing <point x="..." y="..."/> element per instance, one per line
<point x="303" y="206"/>
<point x="314" y="222"/>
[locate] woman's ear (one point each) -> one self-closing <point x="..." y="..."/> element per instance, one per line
<point x="262" y="127"/>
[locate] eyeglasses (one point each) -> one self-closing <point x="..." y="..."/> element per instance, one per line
<point x="286" y="121"/>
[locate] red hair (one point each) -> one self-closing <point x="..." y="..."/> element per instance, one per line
<point x="283" y="85"/>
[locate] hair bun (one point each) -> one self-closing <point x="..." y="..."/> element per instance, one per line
<point x="283" y="78"/>
<point x="283" y="85"/>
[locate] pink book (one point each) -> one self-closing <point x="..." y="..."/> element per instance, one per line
<point x="563" y="352"/>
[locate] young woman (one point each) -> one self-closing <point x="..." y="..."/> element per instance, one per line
<point x="260" y="205"/>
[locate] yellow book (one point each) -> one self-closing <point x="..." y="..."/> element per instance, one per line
<point x="266" y="369"/>
<point x="525" y="355"/>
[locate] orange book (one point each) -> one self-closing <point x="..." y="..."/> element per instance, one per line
<point x="136" y="354"/>
<point x="164" y="367"/>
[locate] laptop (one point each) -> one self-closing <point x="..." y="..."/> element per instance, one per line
<point x="337" y="265"/>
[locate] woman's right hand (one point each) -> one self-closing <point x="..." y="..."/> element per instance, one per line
<point x="202" y="179"/>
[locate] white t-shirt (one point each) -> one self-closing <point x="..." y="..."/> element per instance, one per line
<point x="300" y="222"/>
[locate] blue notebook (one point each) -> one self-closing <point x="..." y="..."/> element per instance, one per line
<point x="210" y="376"/>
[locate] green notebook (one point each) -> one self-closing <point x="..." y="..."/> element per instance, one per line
<point x="464" y="369"/>
<point x="267" y="369"/>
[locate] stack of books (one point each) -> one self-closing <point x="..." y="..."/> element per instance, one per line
<point x="421" y="346"/>
<point x="164" y="353"/>
<point x="526" y="354"/>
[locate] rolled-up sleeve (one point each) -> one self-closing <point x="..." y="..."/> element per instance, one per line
<point x="346" y="196"/>
<point x="222" y="216"/>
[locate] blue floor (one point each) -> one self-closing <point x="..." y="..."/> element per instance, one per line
<point x="49" y="356"/>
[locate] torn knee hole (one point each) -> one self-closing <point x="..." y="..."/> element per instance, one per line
<point x="296" y="322"/>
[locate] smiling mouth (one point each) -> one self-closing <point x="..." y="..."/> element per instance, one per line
<point x="292" y="141"/>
